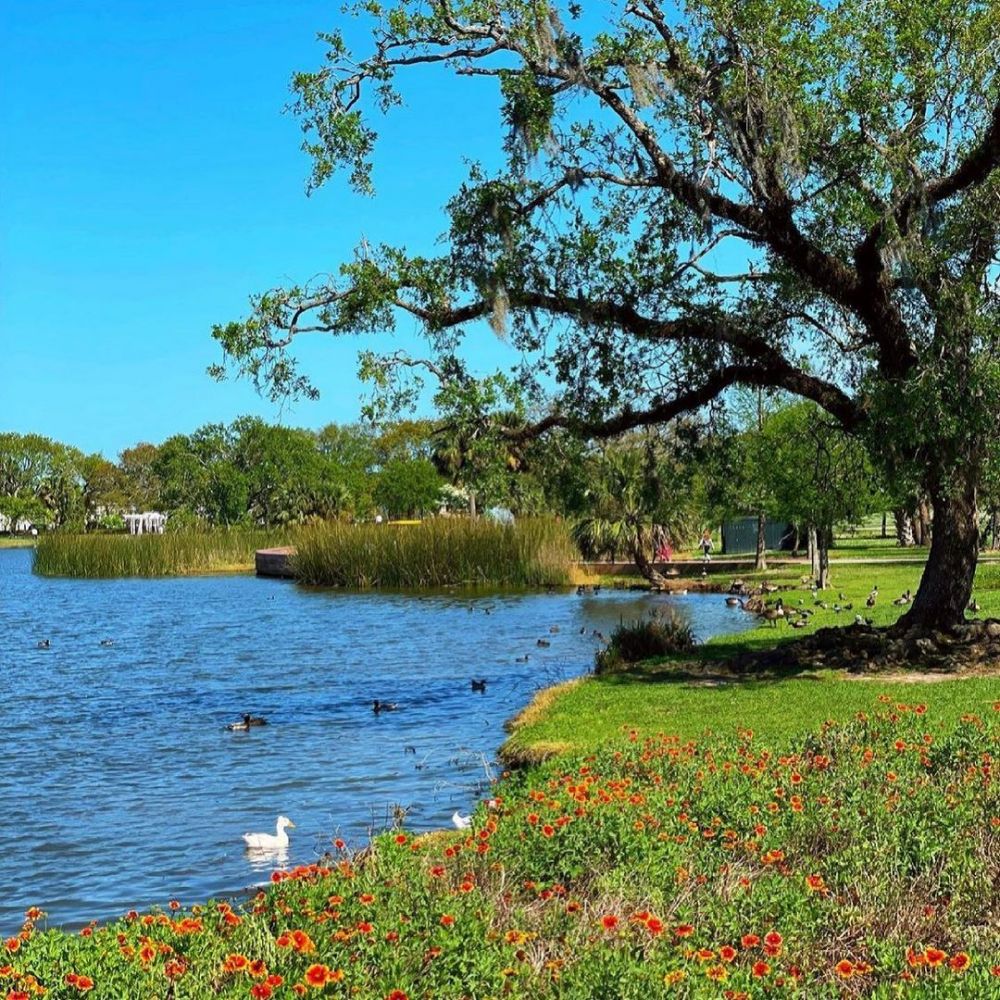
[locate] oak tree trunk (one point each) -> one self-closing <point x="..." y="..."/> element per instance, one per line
<point x="923" y="519"/>
<point x="760" y="560"/>
<point x="904" y="527"/>
<point x="813" y="554"/>
<point x="824" y="536"/>
<point x="946" y="586"/>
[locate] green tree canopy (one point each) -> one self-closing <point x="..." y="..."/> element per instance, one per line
<point x="408" y="487"/>
<point x="691" y="198"/>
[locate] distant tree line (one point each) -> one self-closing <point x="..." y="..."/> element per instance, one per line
<point x="630" y="497"/>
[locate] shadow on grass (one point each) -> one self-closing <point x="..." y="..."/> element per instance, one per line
<point x="715" y="662"/>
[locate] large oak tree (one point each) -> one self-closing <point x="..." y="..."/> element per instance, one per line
<point x="780" y="193"/>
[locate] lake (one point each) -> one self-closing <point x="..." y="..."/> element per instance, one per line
<point x="121" y="787"/>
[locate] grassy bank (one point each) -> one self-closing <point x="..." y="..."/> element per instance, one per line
<point x="436" y="553"/>
<point x="182" y="553"/>
<point x="675" y="695"/>
<point x="858" y="859"/>
<point x="7" y="542"/>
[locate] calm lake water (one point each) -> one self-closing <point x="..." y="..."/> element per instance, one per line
<point x="121" y="788"/>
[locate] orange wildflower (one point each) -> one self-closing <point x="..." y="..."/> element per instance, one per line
<point x="935" y="957"/>
<point x="317" y="975"/>
<point x="959" y="962"/>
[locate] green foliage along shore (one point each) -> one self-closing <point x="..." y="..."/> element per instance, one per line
<point x="177" y="554"/>
<point x="436" y="553"/>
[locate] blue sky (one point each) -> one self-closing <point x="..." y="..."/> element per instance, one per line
<point x="149" y="182"/>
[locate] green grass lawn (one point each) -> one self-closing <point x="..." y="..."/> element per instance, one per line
<point x="777" y="710"/>
<point x="653" y="698"/>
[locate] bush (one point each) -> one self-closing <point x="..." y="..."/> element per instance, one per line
<point x="655" y="636"/>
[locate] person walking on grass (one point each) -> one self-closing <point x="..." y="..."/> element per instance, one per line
<point x="706" y="545"/>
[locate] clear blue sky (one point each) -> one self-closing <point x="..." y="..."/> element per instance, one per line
<point x="149" y="182"/>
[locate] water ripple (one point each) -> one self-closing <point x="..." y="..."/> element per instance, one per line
<point x="121" y="787"/>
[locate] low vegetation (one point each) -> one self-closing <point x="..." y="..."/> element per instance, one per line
<point x="436" y="553"/>
<point x="657" y="635"/>
<point x="856" y="859"/>
<point x="95" y="555"/>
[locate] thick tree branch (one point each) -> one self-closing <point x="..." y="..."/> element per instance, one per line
<point x="980" y="162"/>
<point x="718" y="382"/>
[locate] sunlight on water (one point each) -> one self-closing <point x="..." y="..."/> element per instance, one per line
<point x="121" y="786"/>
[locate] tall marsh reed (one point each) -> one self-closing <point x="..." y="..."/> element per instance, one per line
<point x="152" y="555"/>
<point x="436" y="553"/>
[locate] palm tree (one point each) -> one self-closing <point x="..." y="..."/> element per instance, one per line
<point x="631" y="511"/>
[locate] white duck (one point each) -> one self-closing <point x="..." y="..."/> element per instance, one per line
<point x="268" y="841"/>
<point x="461" y="822"/>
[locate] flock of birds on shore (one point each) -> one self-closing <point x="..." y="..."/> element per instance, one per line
<point x="755" y="601"/>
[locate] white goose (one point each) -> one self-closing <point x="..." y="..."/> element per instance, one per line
<point x="269" y="841"/>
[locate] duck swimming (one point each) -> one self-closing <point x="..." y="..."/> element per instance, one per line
<point x="44" y="644"/>
<point x="478" y="685"/>
<point x="269" y="841"/>
<point x="249" y="721"/>
<point x="107" y="642"/>
<point x="383" y="706"/>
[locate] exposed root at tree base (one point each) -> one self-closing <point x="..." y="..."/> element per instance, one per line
<point x="861" y="649"/>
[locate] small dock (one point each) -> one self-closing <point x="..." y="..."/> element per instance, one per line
<point x="275" y="563"/>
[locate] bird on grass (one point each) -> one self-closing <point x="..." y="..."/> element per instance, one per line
<point x="974" y="606"/>
<point x="461" y="822"/>
<point x="269" y="841"/>
<point x="903" y="598"/>
<point x="773" y="614"/>
<point x="383" y="706"/>
<point x="246" y="724"/>
<point x="872" y="597"/>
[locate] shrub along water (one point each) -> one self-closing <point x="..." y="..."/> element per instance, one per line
<point x="153" y="555"/>
<point x="648" y="638"/>
<point x="436" y="553"/>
